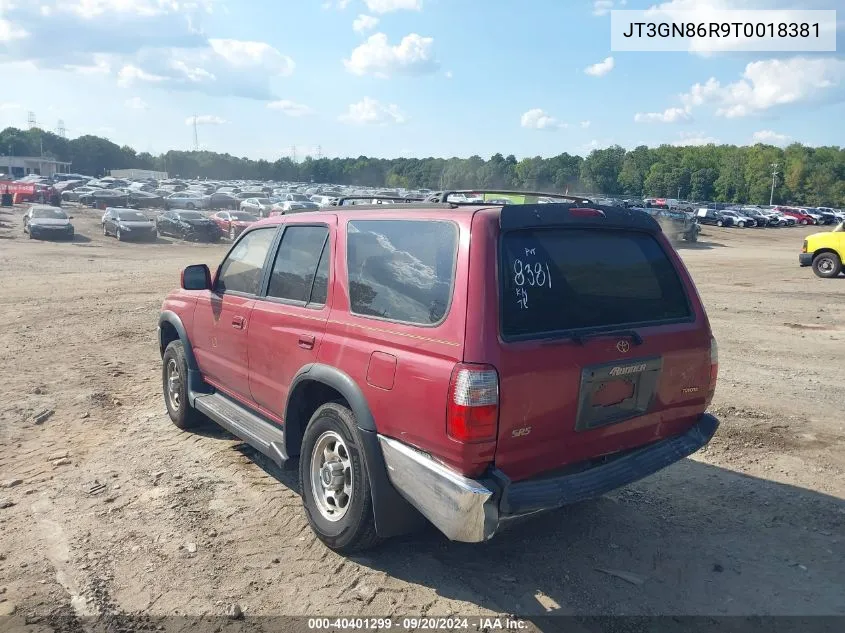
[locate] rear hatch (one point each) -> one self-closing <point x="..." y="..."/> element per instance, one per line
<point x="603" y="345"/>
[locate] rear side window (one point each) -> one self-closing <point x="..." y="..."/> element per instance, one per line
<point x="401" y="270"/>
<point x="555" y="280"/>
<point x="297" y="263"/>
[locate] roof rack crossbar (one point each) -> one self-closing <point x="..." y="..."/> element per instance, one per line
<point x="444" y="195"/>
<point x="407" y="199"/>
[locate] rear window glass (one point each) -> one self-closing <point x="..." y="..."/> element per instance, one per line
<point x="556" y="280"/>
<point x="401" y="270"/>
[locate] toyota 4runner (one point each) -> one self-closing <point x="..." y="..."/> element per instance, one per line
<point x="469" y="363"/>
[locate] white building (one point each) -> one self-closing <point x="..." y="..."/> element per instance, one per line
<point x="20" y="166"/>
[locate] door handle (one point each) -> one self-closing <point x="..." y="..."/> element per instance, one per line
<point x="238" y="322"/>
<point x="306" y="341"/>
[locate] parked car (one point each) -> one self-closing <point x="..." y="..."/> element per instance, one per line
<point x="290" y="206"/>
<point x="825" y="252"/>
<point x="738" y="220"/>
<point x="222" y="200"/>
<point x="676" y="224"/>
<point x="822" y="216"/>
<point x="800" y="216"/>
<point x="414" y="376"/>
<point x="777" y="219"/>
<point x="145" y="200"/>
<point x="72" y="195"/>
<point x="293" y="197"/>
<point x="759" y="220"/>
<point x="46" y="222"/>
<point x="712" y="216"/>
<point x="128" y="224"/>
<point x="257" y="206"/>
<point x="185" y="200"/>
<point x="187" y="225"/>
<point x="232" y="223"/>
<point x="104" y="197"/>
<point x="324" y="201"/>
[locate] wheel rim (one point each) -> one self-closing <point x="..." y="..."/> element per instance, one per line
<point x="174" y="384"/>
<point x="825" y="265"/>
<point x="117" y="235"/>
<point x="331" y="476"/>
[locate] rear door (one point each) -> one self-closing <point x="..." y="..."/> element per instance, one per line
<point x="288" y="322"/>
<point x="603" y="347"/>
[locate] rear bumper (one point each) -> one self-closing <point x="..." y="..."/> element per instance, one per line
<point x="472" y="510"/>
<point x="805" y="259"/>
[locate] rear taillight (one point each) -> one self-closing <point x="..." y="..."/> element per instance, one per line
<point x="714" y="370"/>
<point x="472" y="411"/>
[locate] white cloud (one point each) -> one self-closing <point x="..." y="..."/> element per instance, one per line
<point x="388" y="6"/>
<point x="669" y="115"/>
<point x="694" y="138"/>
<point x="136" y="103"/>
<point x="601" y="68"/>
<point x="364" y="23"/>
<point x="770" y="137"/>
<point x="370" y="112"/>
<point x="205" y="119"/>
<point x="537" y="119"/>
<point x="414" y="55"/>
<point x="769" y="83"/>
<point x="290" y="108"/>
<point x="151" y="41"/>
<point x="10" y="32"/>
<point x="585" y="124"/>
<point x="9" y="105"/>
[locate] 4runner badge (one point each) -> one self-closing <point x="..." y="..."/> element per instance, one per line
<point x="630" y="369"/>
<point x="623" y="347"/>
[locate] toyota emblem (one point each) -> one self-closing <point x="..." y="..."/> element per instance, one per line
<point x="623" y="347"/>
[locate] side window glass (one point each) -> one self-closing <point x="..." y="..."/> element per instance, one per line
<point x="241" y="270"/>
<point x="296" y="264"/>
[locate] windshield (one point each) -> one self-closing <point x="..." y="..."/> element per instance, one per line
<point x="190" y="215"/>
<point x="56" y="214"/>
<point x="132" y="216"/>
<point x="243" y="217"/>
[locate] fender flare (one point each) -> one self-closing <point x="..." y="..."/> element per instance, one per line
<point x="195" y="382"/>
<point x="393" y="514"/>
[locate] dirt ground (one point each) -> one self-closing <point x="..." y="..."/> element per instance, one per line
<point x="107" y="508"/>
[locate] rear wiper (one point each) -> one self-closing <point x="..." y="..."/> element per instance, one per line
<point x="632" y="334"/>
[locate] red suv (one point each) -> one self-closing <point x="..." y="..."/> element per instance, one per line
<point x="800" y="216"/>
<point x="471" y="363"/>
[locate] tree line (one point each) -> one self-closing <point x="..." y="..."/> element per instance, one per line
<point x="724" y="173"/>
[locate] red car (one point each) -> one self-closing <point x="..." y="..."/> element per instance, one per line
<point x="800" y="216"/>
<point x="468" y="363"/>
<point x="232" y="223"/>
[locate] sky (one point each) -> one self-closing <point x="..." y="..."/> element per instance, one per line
<point x="395" y="78"/>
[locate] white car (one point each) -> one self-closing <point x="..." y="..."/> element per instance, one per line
<point x="257" y="206"/>
<point x="324" y="201"/>
<point x="291" y="206"/>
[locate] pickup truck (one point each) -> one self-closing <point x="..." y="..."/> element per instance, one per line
<point x="824" y="252"/>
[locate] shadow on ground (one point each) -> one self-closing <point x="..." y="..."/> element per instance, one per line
<point x="694" y="539"/>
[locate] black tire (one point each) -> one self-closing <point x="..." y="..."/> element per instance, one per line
<point x="804" y="222"/>
<point x="692" y="236"/>
<point x="105" y="231"/>
<point x="355" y="530"/>
<point x="118" y="235"/>
<point x="183" y="415"/>
<point x="190" y="205"/>
<point x="827" y="265"/>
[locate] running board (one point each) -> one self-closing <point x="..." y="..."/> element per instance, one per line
<point x="262" y="435"/>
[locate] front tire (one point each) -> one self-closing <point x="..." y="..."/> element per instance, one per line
<point x="334" y="483"/>
<point x="720" y="223"/>
<point x="118" y="235"/>
<point x="804" y="222"/>
<point x="174" y="378"/>
<point x="827" y="265"/>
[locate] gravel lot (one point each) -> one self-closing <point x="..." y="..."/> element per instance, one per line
<point x="114" y="510"/>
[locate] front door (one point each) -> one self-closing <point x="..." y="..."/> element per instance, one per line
<point x="222" y="316"/>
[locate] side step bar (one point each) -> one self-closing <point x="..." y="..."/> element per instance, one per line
<point x="262" y="435"/>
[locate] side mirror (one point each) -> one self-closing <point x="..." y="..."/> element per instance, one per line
<point x="196" y="277"/>
<point x="70" y="217"/>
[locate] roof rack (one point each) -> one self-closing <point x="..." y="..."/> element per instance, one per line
<point x="406" y="200"/>
<point x="491" y="195"/>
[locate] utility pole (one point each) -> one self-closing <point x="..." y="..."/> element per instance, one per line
<point x="196" y="138"/>
<point x="31" y="122"/>
<point x="60" y="129"/>
<point x="293" y="153"/>
<point x="774" y="177"/>
<point x="319" y="152"/>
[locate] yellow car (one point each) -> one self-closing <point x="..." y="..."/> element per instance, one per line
<point x="824" y="252"/>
